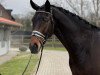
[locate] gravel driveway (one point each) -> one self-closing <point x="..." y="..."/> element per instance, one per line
<point x="54" y="63"/>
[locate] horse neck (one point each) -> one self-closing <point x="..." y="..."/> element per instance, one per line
<point x="64" y="28"/>
<point x="62" y="19"/>
<point x="71" y="35"/>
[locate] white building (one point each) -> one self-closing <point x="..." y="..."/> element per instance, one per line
<point x="5" y="33"/>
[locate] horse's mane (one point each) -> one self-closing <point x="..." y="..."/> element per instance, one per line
<point x="77" y="19"/>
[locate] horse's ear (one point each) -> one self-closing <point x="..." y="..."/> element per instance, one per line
<point x="47" y="6"/>
<point x="34" y="6"/>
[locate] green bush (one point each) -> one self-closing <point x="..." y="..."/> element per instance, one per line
<point x="23" y="49"/>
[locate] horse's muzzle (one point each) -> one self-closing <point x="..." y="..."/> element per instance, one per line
<point x="34" y="49"/>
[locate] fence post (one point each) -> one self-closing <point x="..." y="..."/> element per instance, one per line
<point x="53" y="41"/>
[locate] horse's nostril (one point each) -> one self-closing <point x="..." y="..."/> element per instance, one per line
<point x="34" y="48"/>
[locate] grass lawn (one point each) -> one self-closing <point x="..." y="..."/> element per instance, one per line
<point x="17" y="65"/>
<point x="56" y="48"/>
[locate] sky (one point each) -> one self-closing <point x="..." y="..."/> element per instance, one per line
<point x="23" y="6"/>
<point x="20" y="6"/>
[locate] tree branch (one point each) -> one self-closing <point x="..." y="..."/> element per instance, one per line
<point x="72" y="6"/>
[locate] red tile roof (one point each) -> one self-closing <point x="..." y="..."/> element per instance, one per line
<point x="9" y="22"/>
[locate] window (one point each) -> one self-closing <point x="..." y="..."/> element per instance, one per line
<point x="3" y="37"/>
<point x="3" y="41"/>
<point x="1" y="13"/>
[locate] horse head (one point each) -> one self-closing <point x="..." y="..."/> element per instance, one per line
<point x="43" y="27"/>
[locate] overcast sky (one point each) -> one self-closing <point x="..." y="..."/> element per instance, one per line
<point x="23" y="6"/>
<point x="20" y="6"/>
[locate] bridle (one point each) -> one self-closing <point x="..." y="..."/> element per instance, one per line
<point x="39" y="34"/>
<point x="42" y="36"/>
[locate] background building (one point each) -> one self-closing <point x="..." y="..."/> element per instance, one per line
<point x="6" y="24"/>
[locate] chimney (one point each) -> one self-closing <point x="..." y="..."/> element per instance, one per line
<point x="9" y="11"/>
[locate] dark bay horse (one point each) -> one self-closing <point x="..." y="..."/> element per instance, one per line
<point x="80" y="38"/>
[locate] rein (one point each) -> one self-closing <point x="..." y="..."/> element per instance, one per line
<point x="38" y="62"/>
<point x="27" y="65"/>
<point x="40" y="35"/>
<point x="44" y="38"/>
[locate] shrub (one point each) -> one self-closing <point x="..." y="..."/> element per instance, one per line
<point x="23" y="48"/>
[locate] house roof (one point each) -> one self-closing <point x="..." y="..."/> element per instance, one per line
<point x="8" y="22"/>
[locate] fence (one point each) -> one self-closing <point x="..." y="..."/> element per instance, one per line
<point x="23" y="40"/>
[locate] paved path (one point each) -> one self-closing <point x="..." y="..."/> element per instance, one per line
<point x="8" y="56"/>
<point x="54" y="63"/>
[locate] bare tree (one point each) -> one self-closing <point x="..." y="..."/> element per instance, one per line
<point x="86" y="9"/>
<point x="72" y="5"/>
<point x="78" y="6"/>
<point x="81" y="6"/>
<point x="96" y="7"/>
<point x="25" y="21"/>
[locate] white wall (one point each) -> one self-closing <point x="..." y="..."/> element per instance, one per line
<point x="4" y="41"/>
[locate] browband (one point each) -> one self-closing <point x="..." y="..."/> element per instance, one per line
<point x="44" y="12"/>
